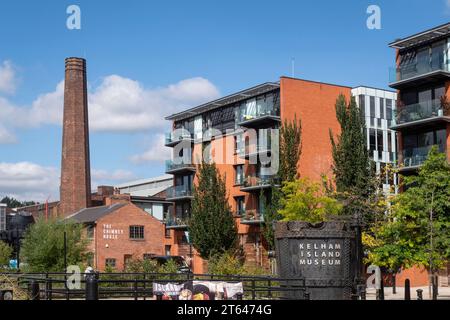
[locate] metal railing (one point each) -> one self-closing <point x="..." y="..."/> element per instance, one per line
<point x="54" y="286"/>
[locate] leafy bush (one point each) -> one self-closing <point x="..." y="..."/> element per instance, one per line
<point x="5" y="254"/>
<point x="305" y="200"/>
<point x="43" y="246"/>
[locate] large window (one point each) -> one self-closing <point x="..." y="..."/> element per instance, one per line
<point x="2" y="219"/>
<point x="372" y="107"/>
<point x="137" y="232"/>
<point x="238" y="174"/>
<point x="240" y="205"/>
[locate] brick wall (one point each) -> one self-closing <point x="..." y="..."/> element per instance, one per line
<point x="120" y="221"/>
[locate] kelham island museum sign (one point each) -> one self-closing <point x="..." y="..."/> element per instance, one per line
<point x="326" y="257"/>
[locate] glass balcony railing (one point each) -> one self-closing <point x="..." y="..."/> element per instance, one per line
<point x="252" y="217"/>
<point x="414" y="70"/>
<point x="258" y="182"/>
<point x="417" y="156"/>
<point x="179" y="165"/>
<point x="419" y="111"/>
<point x="179" y="192"/>
<point x="258" y="113"/>
<point x="177" y="222"/>
<point x="177" y="136"/>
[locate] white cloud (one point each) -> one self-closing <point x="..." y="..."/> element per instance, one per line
<point x="6" y="137"/>
<point x="117" y="175"/>
<point x="157" y="152"/>
<point x="105" y="178"/>
<point x="122" y="104"/>
<point x="118" y="104"/>
<point x="8" y="80"/>
<point x="28" y="181"/>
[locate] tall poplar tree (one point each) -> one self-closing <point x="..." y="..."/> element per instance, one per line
<point x="354" y="172"/>
<point x="212" y="227"/>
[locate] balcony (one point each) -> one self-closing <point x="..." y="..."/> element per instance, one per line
<point x="179" y="223"/>
<point x="421" y="114"/>
<point x="179" y="193"/>
<point x="262" y="117"/>
<point x="179" y="166"/>
<point x="177" y="136"/>
<point x="251" y="217"/>
<point x="417" y="74"/>
<point x="413" y="158"/>
<point x="256" y="183"/>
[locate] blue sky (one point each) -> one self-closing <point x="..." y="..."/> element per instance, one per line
<point x="147" y="59"/>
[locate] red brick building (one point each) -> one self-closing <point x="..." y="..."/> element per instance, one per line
<point x="119" y="231"/>
<point x="262" y="107"/>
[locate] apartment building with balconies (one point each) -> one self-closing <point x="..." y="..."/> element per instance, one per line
<point x="237" y="132"/>
<point x="422" y="79"/>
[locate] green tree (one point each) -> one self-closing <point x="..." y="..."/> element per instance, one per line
<point x="417" y="229"/>
<point x="212" y="227"/>
<point x="14" y="203"/>
<point x="43" y="246"/>
<point x="305" y="200"/>
<point x="290" y="148"/>
<point x="5" y="253"/>
<point x="355" y="180"/>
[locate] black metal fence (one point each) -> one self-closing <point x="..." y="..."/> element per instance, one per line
<point x="139" y="286"/>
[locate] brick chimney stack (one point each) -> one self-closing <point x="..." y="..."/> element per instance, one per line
<point x="75" y="188"/>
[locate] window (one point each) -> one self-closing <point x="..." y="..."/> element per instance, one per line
<point x="2" y="219"/>
<point x="372" y="142"/>
<point x="239" y="146"/>
<point x="380" y="140"/>
<point x="239" y="174"/>
<point x="110" y="262"/>
<point x="240" y="205"/>
<point x="137" y="232"/>
<point x="167" y="233"/>
<point x="382" y="108"/>
<point x="388" y="109"/>
<point x="372" y="107"/>
<point x="90" y="231"/>
<point x="167" y="250"/>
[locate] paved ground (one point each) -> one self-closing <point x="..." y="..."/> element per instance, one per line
<point x="444" y="293"/>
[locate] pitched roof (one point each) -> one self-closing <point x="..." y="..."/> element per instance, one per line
<point x="88" y="215"/>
